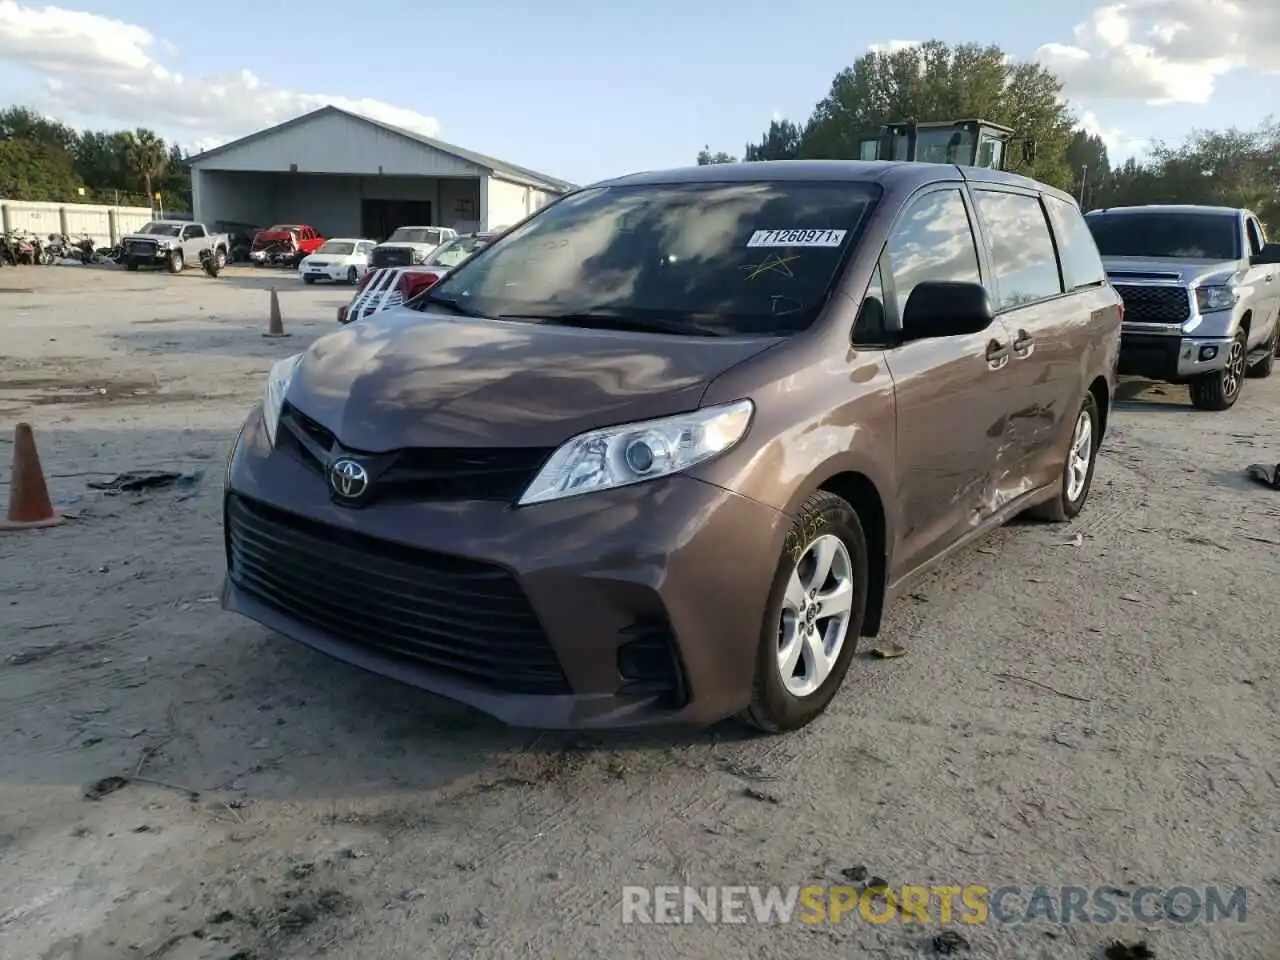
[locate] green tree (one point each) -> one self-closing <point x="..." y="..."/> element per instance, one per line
<point x="1089" y="164"/>
<point x="780" y="142"/>
<point x="32" y="170"/>
<point x="935" y="81"/>
<point x="706" y="158"/>
<point x="147" y="156"/>
<point x="22" y="123"/>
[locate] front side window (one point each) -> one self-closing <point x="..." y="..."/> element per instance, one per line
<point x="1169" y="236"/>
<point x="703" y="258"/>
<point x="1081" y="263"/>
<point x="1022" y="254"/>
<point x="932" y="241"/>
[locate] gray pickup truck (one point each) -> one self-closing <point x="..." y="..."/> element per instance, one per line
<point x="172" y="244"/>
<point x="1201" y="295"/>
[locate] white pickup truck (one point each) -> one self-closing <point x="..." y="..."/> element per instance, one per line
<point x="172" y="244"/>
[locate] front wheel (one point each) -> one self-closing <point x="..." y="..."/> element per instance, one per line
<point x="176" y="262"/>
<point x="1221" y="389"/>
<point x="353" y="276"/>
<point x="1077" y="471"/>
<point x="814" y="617"/>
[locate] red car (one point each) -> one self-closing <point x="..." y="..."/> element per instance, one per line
<point x="387" y="287"/>
<point x="285" y="243"/>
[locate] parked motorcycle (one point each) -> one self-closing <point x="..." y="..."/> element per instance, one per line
<point x="209" y="262"/>
<point x="22" y="248"/>
<point x="84" y="249"/>
<point x="58" y="247"/>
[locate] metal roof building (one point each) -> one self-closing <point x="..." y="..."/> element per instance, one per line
<point x="347" y="175"/>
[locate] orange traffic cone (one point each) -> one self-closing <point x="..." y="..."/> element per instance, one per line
<point x="275" y="325"/>
<point x="29" y="505"/>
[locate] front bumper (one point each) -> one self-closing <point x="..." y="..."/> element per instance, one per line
<point x="147" y="255"/>
<point x="665" y="582"/>
<point x="1169" y="357"/>
<point x="335" y="272"/>
<point x="274" y="257"/>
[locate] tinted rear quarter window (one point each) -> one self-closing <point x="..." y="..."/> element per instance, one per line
<point x="932" y="241"/>
<point x="1081" y="263"/>
<point x="1022" y="253"/>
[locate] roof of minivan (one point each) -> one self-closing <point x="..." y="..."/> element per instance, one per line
<point x="879" y="171"/>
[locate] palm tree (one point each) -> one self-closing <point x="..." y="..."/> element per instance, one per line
<point x="147" y="156"/>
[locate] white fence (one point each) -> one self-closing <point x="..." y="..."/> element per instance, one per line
<point x="105" y="223"/>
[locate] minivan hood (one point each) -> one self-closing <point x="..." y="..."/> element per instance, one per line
<point x="1121" y="269"/>
<point x="401" y="378"/>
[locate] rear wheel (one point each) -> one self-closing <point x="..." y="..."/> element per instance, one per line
<point x="814" y="617"/>
<point x="353" y="276"/>
<point x="1221" y="389"/>
<point x="220" y="258"/>
<point x="1077" y="469"/>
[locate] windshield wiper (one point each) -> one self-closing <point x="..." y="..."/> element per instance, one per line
<point x="618" y="320"/>
<point x="449" y="303"/>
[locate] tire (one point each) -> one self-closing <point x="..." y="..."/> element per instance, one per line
<point x="1262" y="369"/>
<point x="1077" y="467"/>
<point x="131" y="264"/>
<point x="777" y="704"/>
<point x="1221" y="389"/>
<point x="176" y="261"/>
<point x="220" y="258"/>
<point x="308" y="280"/>
<point x="353" y="277"/>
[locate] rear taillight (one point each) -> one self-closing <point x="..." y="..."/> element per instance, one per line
<point x="412" y="284"/>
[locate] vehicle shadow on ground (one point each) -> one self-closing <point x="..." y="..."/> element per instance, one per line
<point x="1148" y="396"/>
<point x="230" y="337"/>
<point x="118" y="649"/>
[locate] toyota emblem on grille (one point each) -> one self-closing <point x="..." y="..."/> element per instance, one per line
<point x="348" y="478"/>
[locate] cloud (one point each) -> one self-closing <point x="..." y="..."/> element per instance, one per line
<point x="94" y="66"/>
<point x="894" y="46"/>
<point x="1166" y="51"/>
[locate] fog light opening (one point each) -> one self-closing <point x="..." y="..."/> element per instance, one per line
<point x="1208" y="353"/>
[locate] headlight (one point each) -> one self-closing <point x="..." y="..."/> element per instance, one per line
<point x="634" y="452"/>
<point x="162" y="244"/>
<point x="1222" y="297"/>
<point x="277" y="386"/>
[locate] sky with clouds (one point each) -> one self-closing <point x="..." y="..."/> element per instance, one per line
<point x="583" y="93"/>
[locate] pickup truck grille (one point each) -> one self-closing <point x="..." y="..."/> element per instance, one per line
<point x="145" y="248"/>
<point x="1144" y="304"/>
<point x="391" y="257"/>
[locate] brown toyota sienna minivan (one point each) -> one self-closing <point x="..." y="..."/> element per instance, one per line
<point x="666" y="450"/>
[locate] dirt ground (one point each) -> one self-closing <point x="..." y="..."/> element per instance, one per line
<point x="271" y="803"/>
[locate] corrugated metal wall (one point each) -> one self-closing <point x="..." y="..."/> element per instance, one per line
<point x="106" y="224"/>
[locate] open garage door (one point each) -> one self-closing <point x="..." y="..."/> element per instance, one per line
<point x="378" y="218"/>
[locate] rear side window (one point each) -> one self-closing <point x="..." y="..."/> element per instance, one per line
<point x="1022" y="254"/>
<point x="1081" y="263"/>
<point x="1256" y="240"/>
<point x="932" y="241"/>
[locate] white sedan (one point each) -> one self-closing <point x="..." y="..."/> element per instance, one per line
<point x="341" y="260"/>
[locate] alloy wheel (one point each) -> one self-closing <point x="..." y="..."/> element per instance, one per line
<point x="1079" y="456"/>
<point x="816" y="609"/>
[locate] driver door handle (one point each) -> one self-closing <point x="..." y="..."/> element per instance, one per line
<point x="997" y="354"/>
<point x="1024" y="344"/>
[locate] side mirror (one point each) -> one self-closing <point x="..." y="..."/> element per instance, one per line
<point x="1028" y="152"/>
<point x="944" y="308"/>
<point x="1269" y="256"/>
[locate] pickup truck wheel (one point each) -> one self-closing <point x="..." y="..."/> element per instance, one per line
<point x="1220" y="390"/>
<point x="1077" y="470"/>
<point x="176" y="261"/>
<point x="308" y="280"/>
<point x="814" y="616"/>
<point x="130" y="264"/>
<point x="1262" y="369"/>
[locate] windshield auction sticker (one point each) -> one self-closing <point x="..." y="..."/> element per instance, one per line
<point x="797" y="238"/>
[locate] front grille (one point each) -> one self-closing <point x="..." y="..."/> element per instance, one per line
<point x="419" y="474"/>
<point x="391" y="257"/>
<point x="460" y="617"/>
<point x="1155" y="304"/>
<point x="143" y="247"/>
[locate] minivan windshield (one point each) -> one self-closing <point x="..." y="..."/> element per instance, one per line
<point x="725" y="258"/>
<point x="1172" y="236"/>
